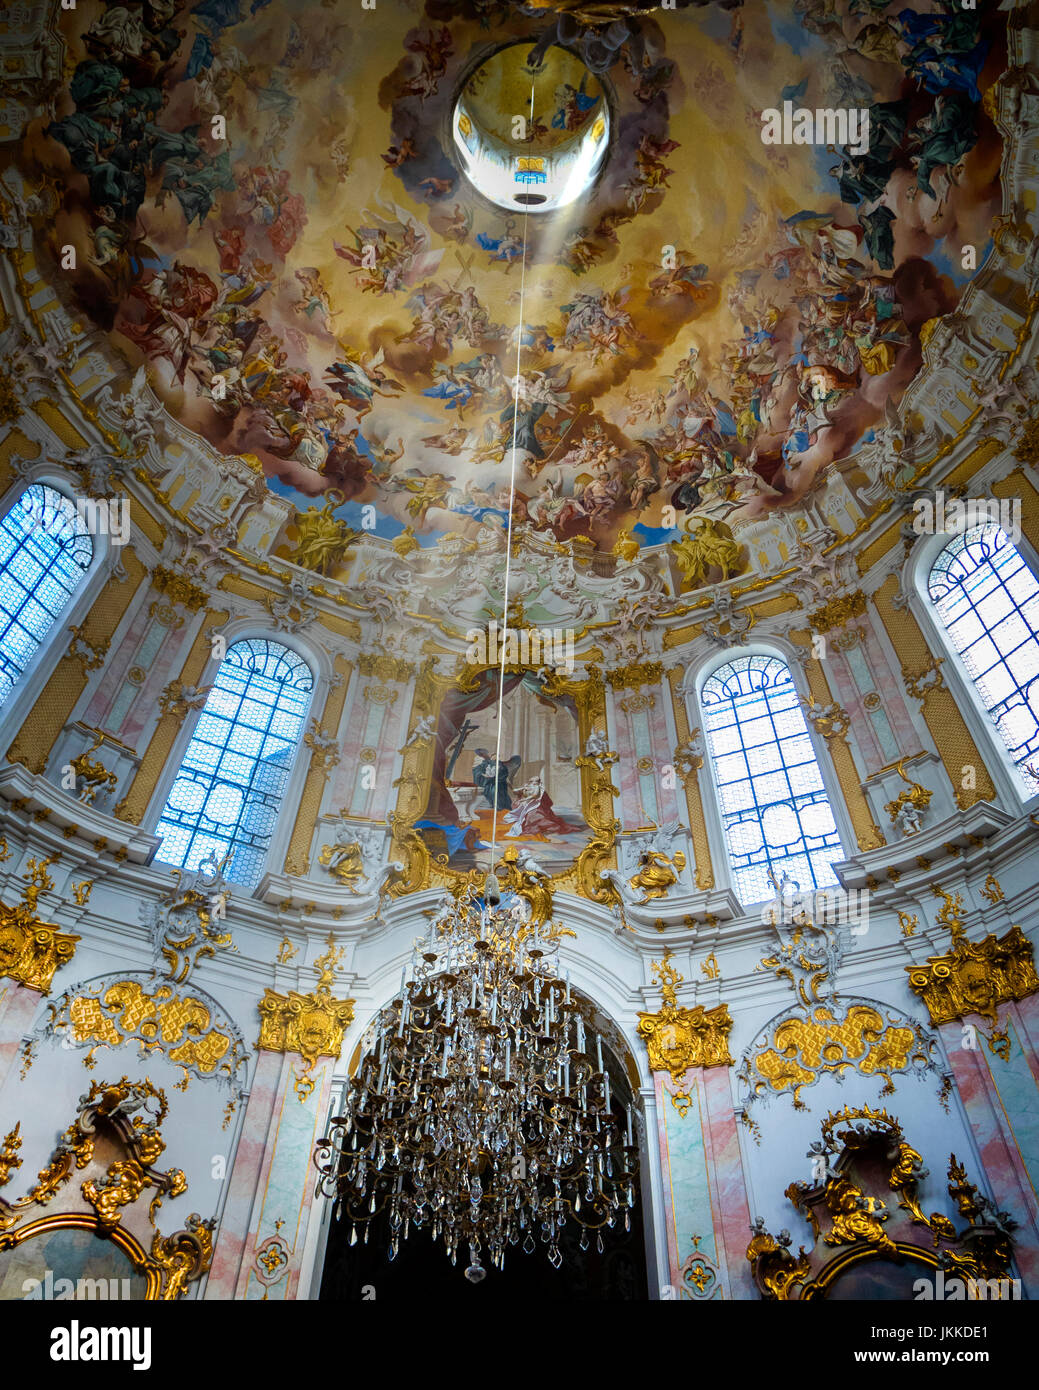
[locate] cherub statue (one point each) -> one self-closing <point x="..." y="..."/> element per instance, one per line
<point x="597" y="745"/>
<point x="423" y="732"/>
<point x="658" y="867"/>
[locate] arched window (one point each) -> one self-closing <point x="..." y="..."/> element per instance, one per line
<point x="45" y="550"/>
<point x="987" y="600"/>
<point x="228" y="790"/>
<point x="774" y="807"/>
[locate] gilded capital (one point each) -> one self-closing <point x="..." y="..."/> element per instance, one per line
<point x="309" y="1025"/>
<point x="31" y="950"/>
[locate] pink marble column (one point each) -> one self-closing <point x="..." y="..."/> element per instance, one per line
<point x="702" y="1171"/>
<point x="728" y="1188"/>
<point x="285" y="1182"/>
<point x="232" y="1236"/>
<point x="1025" y="1014"/>
<point x="673" y="1263"/>
<point x="18" y="1007"/>
<point x="999" y="1152"/>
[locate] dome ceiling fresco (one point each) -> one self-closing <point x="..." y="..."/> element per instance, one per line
<point x="269" y="212"/>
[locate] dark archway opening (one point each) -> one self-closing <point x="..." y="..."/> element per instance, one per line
<point x="422" y="1269"/>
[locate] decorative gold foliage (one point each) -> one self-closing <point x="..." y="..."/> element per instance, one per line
<point x="31" y="950"/>
<point x="847" y="1208"/>
<point x="310" y="1025"/>
<point x="678" y="1038"/>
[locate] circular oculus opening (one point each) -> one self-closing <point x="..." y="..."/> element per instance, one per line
<point x="529" y="137"/>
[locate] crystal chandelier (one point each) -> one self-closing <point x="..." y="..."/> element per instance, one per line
<point x="480" y="1111"/>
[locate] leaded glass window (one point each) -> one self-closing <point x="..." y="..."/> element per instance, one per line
<point x="45" y="550"/>
<point x="774" y="808"/>
<point x="225" y="800"/>
<point x="987" y="599"/>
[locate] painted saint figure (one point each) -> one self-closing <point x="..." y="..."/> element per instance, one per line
<point x="492" y="778"/>
<point x="533" y="813"/>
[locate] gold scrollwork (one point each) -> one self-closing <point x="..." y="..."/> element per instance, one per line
<point x="928" y="678"/>
<point x="179" y="700"/>
<point x="976" y="977"/>
<point x="803" y="1048"/>
<point x="179" y="589"/>
<point x="385" y="667"/>
<point x="838" y="611"/>
<point x="657" y="874"/>
<point x="597" y="790"/>
<point x="678" y="1038"/>
<point x="907" y="807"/>
<point x="118" y="1131"/>
<point x="635" y="675"/>
<point x="32" y="950"/>
<point x="185" y="1028"/>
<point x="855" y="1165"/>
<point x="631" y="704"/>
<point x="309" y="1025"/>
<point x="90" y="652"/>
<point x="91" y="774"/>
<point x="9" y="1159"/>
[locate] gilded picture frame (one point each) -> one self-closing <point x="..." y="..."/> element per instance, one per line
<point x="424" y="869"/>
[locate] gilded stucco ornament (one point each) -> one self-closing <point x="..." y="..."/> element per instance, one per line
<point x="830" y="721"/>
<point x="862" y="1205"/>
<point x="179" y="588"/>
<point x="90" y="652"/>
<point x="521" y="874"/>
<point x="324" y="747"/>
<point x="309" y="1025"/>
<point x="345" y="859"/>
<point x="91" y="774"/>
<point x="180" y="700"/>
<point x="323" y="542"/>
<point x="32" y="950"/>
<point x="678" y="1038"/>
<point x="191" y="1030"/>
<point x="823" y="1033"/>
<point x="385" y="667"/>
<point x="698" y="1278"/>
<point x="838" y="611"/>
<point x="658" y="867"/>
<point x="186" y="923"/>
<point x="9" y="1159"/>
<point x="908" y="808"/>
<point x="116" y="1141"/>
<point x="344" y="862"/>
<point x="975" y="977"/>
<point x="271" y="1262"/>
<point x="636" y="674"/>
<point x="926" y="680"/>
<point x="657" y="874"/>
<point x="1026" y="447"/>
<point x="292" y="611"/>
<point x="10" y="406"/>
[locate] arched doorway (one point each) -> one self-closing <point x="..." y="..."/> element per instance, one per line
<point x="617" y="1271"/>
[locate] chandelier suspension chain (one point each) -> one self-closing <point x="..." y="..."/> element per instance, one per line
<point x="508" y="532"/>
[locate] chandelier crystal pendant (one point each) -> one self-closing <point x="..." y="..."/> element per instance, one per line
<point x="481" y="1111"/>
